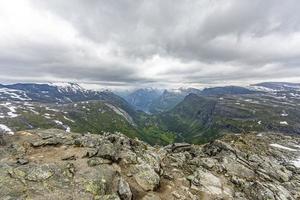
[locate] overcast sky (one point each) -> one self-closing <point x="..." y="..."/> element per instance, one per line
<point x="150" y="42"/>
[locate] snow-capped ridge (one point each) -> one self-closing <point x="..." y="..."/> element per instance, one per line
<point x="68" y="87"/>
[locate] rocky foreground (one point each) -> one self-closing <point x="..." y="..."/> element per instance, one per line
<point x="52" y="164"/>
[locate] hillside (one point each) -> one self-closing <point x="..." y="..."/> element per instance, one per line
<point x="53" y="164"/>
<point x="201" y="118"/>
<point x="153" y="101"/>
<point x="86" y="116"/>
<point x="56" y="93"/>
<point x="193" y="116"/>
<point x="170" y="98"/>
<point x="142" y="99"/>
<point x="233" y="90"/>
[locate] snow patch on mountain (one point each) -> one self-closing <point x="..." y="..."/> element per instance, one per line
<point x="51" y="109"/>
<point x="282" y="147"/>
<point x="5" y="130"/>
<point x="284" y="123"/>
<point x="276" y="86"/>
<point x="14" y="94"/>
<point x="66" y="127"/>
<point x="261" y="89"/>
<point x="58" y="122"/>
<point x="66" y="118"/>
<point x="12" y="110"/>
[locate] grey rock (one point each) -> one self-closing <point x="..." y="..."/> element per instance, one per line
<point x="50" y="141"/>
<point x="216" y="147"/>
<point x="179" y="147"/>
<point x="91" y="152"/>
<point x="22" y="161"/>
<point x="208" y="163"/>
<point x="147" y="178"/>
<point x="39" y="173"/>
<point x="208" y="183"/>
<point x="98" y="161"/>
<point x="124" y="190"/>
<point x="109" y="151"/>
<point x="69" y="157"/>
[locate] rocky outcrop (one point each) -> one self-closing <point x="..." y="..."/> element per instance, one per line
<point x="53" y="164"/>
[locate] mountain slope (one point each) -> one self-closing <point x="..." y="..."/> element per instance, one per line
<point x="192" y="117"/>
<point x="170" y="98"/>
<point x="141" y="99"/>
<point x="88" y="116"/>
<point x="66" y="106"/>
<point x="199" y="118"/>
<point x="60" y="93"/>
<point x="226" y="90"/>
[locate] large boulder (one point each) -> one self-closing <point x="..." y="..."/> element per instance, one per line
<point x="146" y="177"/>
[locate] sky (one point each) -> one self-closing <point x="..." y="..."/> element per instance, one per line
<point x="142" y="43"/>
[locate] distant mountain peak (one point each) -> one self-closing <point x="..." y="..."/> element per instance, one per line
<point x="276" y="86"/>
<point x="68" y="87"/>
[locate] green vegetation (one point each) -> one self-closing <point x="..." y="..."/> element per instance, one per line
<point x="155" y="135"/>
<point x="197" y="119"/>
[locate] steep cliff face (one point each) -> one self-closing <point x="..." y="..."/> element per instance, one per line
<point x="53" y="164"/>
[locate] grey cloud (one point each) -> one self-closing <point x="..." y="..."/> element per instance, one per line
<point x="247" y="35"/>
<point x="176" y="26"/>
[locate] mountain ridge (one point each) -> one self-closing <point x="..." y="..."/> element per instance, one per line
<point x="231" y="109"/>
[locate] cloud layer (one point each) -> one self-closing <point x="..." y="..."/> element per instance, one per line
<point x="132" y="42"/>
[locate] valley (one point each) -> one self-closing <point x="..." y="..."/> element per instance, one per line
<point x="190" y="115"/>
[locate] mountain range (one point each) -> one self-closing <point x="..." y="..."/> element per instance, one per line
<point x="156" y="116"/>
